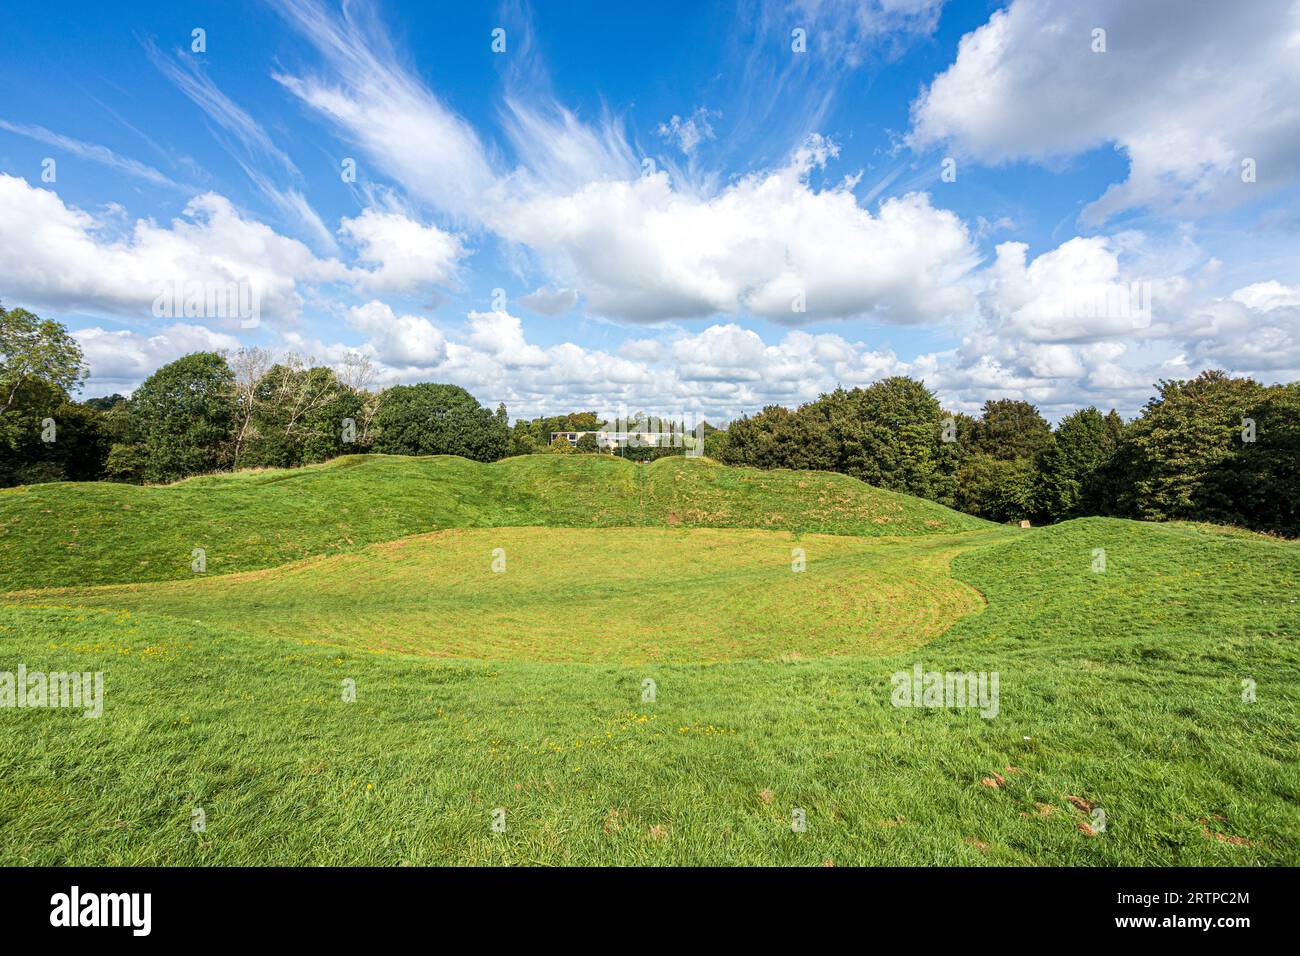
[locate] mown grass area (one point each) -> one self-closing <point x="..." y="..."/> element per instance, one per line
<point x="76" y="534"/>
<point x="1120" y="690"/>
<point x="613" y="596"/>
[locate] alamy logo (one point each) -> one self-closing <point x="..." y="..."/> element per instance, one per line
<point x="103" y="909"/>
<point x="209" y="300"/>
<point x="56" y="689"/>
<point x="922" y="688"/>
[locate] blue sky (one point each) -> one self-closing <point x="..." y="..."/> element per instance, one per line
<point x="682" y="212"/>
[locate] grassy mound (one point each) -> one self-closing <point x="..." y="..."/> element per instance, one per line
<point x="98" y="533"/>
<point x="611" y="596"/>
<point x="1119" y="691"/>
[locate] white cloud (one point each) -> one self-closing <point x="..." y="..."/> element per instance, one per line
<point x="1073" y="293"/>
<point x="645" y="350"/>
<point x="57" y="256"/>
<point x="687" y="133"/>
<point x="648" y="249"/>
<point x="249" y="143"/>
<point x="406" y="254"/>
<point x="1186" y="92"/>
<point x="501" y="336"/>
<point x="119" y="360"/>
<point x="407" y="131"/>
<point x="91" y="151"/>
<point x="550" y="301"/>
<point x="61" y="257"/>
<point x="1267" y="296"/>
<point x="407" y="341"/>
<point x="1255" y="330"/>
<point x="641" y="251"/>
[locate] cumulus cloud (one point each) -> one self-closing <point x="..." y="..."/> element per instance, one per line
<point x="1187" y="90"/>
<point x="407" y="341"/>
<point x="61" y="257"/>
<point x="550" y="301"/>
<point x="58" y="256"/>
<point x="726" y="370"/>
<point x="647" y="248"/>
<point x="1073" y="293"/>
<point x="501" y="336"/>
<point x="406" y="255"/>
<point x="120" y="359"/>
<point x="1255" y="330"/>
<point x="769" y="244"/>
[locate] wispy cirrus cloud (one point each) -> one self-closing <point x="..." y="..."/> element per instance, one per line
<point x="378" y="104"/>
<point x="245" y="140"/>
<point x="91" y="151"/>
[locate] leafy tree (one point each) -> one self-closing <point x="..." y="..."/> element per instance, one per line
<point x="81" y="446"/>
<point x="1070" y="463"/>
<point x="779" y="438"/>
<point x="297" y="417"/>
<point x="891" y="435"/>
<point x="1263" y="484"/>
<point x="181" y="419"/>
<point x="587" y="443"/>
<point x="429" y="419"/>
<point x="717" y="442"/>
<point x="528" y="437"/>
<point x="35" y="349"/>
<point x="521" y="443"/>
<point x="996" y="488"/>
<point x="45" y="437"/>
<point x="1010" y="429"/>
<point x="1179" y="451"/>
<point x="106" y="404"/>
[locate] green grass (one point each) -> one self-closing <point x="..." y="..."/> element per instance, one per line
<point x="1122" y="689"/>
<point x="614" y="596"/>
<point x="76" y="534"/>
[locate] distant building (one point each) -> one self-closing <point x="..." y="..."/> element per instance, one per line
<point x="612" y="439"/>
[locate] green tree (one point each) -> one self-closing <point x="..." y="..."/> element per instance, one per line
<point x="35" y="349"/>
<point x="1010" y="429"/>
<point x="106" y="404"/>
<point x="1070" y="463"/>
<point x="717" y="442"/>
<point x="996" y="488"/>
<point x="44" y="436"/>
<point x="779" y="438"/>
<point x="521" y="443"/>
<point x="297" y="417"/>
<point x="1262" y="486"/>
<point x="180" y="420"/>
<point x="1180" y="452"/>
<point x="430" y="419"/>
<point x="588" y="444"/>
<point x="890" y="435"/>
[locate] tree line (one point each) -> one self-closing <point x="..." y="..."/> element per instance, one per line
<point x="1213" y="448"/>
<point x="210" y="411"/>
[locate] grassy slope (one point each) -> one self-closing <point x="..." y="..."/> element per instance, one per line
<point x="97" y="533"/>
<point x="1122" y="688"/>
<point x="612" y="596"/>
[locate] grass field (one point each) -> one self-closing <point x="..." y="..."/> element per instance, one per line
<point x="523" y="690"/>
<point x="97" y="533"/>
<point x="614" y="596"/>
